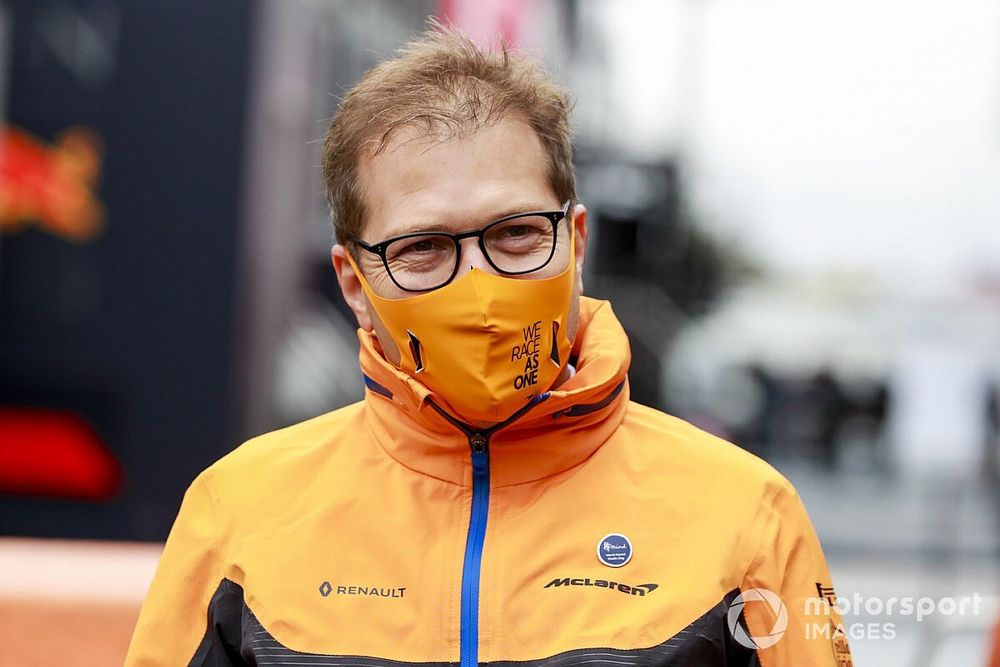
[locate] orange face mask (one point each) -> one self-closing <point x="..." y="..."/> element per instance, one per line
<point x="485" y="344"/>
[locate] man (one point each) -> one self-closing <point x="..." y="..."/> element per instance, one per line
<point x="496" y="497"/>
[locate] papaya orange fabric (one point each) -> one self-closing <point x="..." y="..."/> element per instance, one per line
<point x="346" y="533"/>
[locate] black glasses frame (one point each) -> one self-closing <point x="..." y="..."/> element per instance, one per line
<point x="380" y="248"/>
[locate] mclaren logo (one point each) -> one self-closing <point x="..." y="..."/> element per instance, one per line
<point x="636" y="589"/>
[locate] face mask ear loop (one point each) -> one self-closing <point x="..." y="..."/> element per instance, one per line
<point x="357" y="271"/>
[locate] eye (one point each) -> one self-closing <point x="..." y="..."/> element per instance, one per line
<point x="422" y="245"/>
<point x="518" y="231"/>
<point x="420" y="252"/>
<point x="520" y="235"/>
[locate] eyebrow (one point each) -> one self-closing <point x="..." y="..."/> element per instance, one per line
<point x="502" y="213"/>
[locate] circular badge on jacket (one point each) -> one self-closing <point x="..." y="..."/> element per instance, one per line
<point x="614" y="550"/>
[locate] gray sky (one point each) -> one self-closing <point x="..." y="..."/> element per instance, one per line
<point x="825" y="135"/>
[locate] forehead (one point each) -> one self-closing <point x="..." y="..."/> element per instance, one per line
<point x="454" y="182"/>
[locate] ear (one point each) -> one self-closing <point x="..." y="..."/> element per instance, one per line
<point x="350" y="286"/>
<point x="579" y="221"/>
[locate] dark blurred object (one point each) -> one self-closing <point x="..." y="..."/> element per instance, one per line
<point x="991" y="444"/>
<point x="818" y="418"/>
<point x="130" y="328"/>
<point x="649" y="258"/>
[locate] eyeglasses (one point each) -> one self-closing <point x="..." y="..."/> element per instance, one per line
<point x="513" y="245"/>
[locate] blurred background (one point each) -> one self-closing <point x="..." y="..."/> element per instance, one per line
<point x="794" y="206"/>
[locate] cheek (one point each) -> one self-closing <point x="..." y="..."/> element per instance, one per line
<point x="556" y="265"/>
<point x="382" y="284"/>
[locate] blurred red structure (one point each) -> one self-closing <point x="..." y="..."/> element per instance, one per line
<point x="54" y="453"/>
<point x="484" y="20"/>
<point x="51" y="186"/>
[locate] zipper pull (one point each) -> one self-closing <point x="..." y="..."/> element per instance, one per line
<point x="478" y="442"/>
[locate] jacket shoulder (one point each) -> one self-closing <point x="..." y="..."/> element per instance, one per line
<point x="683" y="446"/>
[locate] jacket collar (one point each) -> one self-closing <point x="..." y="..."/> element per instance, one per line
<point x="557" y="431"/>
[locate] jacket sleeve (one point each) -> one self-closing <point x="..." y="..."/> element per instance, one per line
<point x="189" y="616"/>
<point x="789" y="604"/>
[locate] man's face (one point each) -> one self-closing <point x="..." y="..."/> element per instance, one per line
<point x="422" y="183"/>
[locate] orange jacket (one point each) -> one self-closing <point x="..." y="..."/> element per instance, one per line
<point x="587" y="530"/>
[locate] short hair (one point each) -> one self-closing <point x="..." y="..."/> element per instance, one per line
<point x="445" y="85"/>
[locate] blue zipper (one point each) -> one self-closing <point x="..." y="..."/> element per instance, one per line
<point x="469" y="642"/>
<point x="479" y="443"/>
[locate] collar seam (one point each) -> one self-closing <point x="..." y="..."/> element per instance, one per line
<point x="581" y="462"/>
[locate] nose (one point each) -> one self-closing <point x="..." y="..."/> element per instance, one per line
<point x="472" y="258"/>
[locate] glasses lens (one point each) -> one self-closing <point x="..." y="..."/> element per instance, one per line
<point x="421" y="262"/>
<point x="521" y="245"/>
